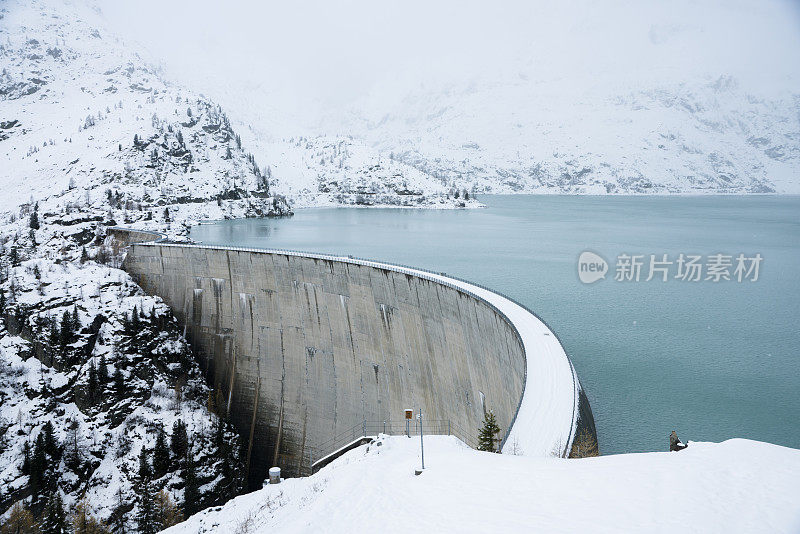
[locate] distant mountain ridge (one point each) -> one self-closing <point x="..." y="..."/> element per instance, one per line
<point x="690" y="137"/>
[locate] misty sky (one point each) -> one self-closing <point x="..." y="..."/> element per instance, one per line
<point x="299" y="60"/>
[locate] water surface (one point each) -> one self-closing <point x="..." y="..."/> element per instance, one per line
<point x="710" y="360"/>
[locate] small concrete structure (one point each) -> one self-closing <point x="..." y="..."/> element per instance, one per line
<point x="274" y="475"/>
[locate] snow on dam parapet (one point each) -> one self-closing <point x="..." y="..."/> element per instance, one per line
<point x="302" y="346"/>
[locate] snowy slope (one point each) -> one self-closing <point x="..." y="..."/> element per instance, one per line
<point x="701" y="136"/>
<point x="39" y="384"/>
<point x="82" y="110"/>
<point x="83" y="114"/>
<point x="690" y="96"/>
<point x="734" y="486"/>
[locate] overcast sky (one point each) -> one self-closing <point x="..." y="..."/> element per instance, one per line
<point x="300" y="58"/>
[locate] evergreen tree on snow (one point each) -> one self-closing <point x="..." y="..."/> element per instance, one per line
<point x="38" y="470"/>
<point x="54" y="519"/>
<point x="51" y="445"/>
<point x="179" y="440"/>
<point x="119" y="379"/>
<point x="486" y="437"/>
<point x="160" y="455"/>
<point x="34" y="220"/>
<point x="102" y="372"/>
<point x="191" y="490"/>
<point x="146" y="513"/>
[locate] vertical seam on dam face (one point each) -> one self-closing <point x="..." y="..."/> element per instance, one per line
<point x="426" y="342"/>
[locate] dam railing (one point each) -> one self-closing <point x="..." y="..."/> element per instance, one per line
<point x="365" y="431"/>
<point x="424" y="274"/>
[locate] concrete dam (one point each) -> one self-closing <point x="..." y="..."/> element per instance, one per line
<point x="301" y="347"/>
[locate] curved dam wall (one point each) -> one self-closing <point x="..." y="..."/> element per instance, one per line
<point x="303" y="347"/>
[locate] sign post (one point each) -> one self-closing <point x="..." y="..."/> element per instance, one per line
<point x="421" y="445"/>
<point x="409" y="414"/>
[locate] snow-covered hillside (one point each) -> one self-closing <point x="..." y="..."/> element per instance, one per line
<point x="709" y="136"/>
<point x="85" y="352"/>
<point x="341" y="170"/>
<point x="734" y="486"/>
<point x="82" y="110"/>
<point x="83" y="115"/>
<point x="694" y="96"/>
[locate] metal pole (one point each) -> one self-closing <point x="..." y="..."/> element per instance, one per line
<point x="408" y="431"/>
<point x="421" y="445"/>
<point x="384" y="427"/>
<point x="448" y="428"/>
<point x="365" y="428"/>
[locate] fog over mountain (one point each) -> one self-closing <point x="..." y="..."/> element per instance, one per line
<point x="689" y="96"/>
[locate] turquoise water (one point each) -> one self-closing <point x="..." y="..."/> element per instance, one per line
<point x="710" y="360"/>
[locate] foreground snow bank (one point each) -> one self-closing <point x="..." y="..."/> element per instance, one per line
<point x="734" y="486"/>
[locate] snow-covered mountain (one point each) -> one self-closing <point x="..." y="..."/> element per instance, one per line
<point x="698" y="96"/>
<point x="83" y="112"/>
<point x="709" y="136"/>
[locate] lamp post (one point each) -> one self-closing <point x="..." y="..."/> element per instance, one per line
<point x="421" y="445"/>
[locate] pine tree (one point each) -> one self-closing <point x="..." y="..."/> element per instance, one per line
<point x="72" y="447"/>
<point x="179" y="440"/>
<point x="26" y="459"/>
<point x="145" y="515"/>
<point x="102" y="371"/>
<point x="51" y="445"/>
<point x="84" y="255"/>
<point x="119" y="380"/>
<point x="36" y="480"/>
<point x="93" y="385"/>
<point x="34" y="220"/>
<point x="160" y="455"/>
<point x="230" y="473"/>
<point x="136" y="324"/>
<point x="166" y="215"/>
<point x="144" y="472"/>
<point x="13" y="256"/>
<point x="54" y="519"/>
<point x="67" y="329"/>
<point x="191" y="490"/>
<point x="125" y="320"/>
<point x="486" y="438"/>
